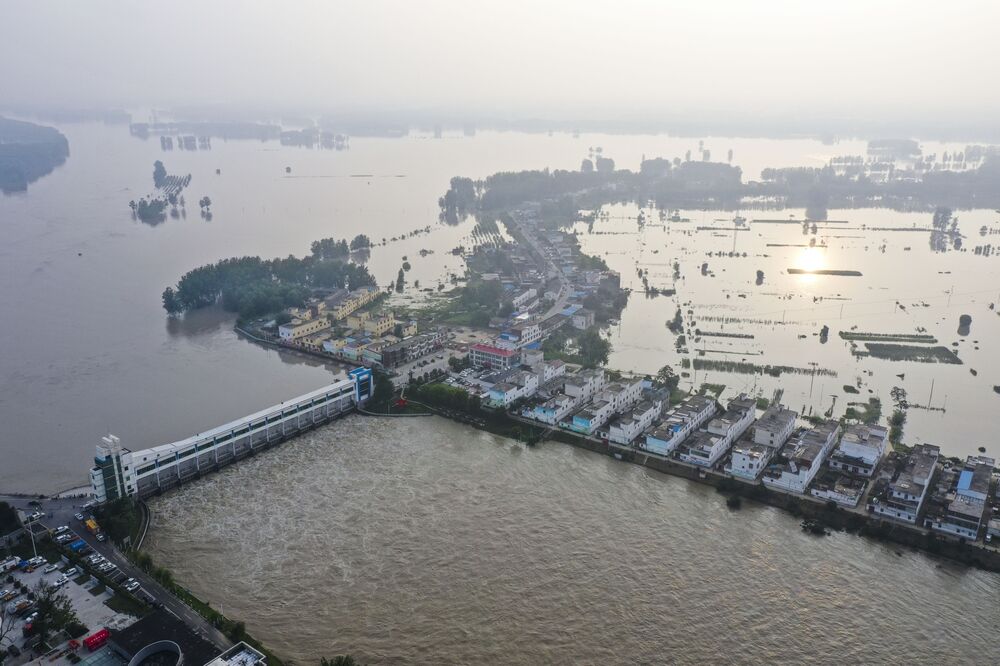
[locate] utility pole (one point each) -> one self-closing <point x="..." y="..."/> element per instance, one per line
<point x="931" y="396"/>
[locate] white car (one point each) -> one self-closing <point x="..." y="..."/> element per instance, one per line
<point x="107" y="566"/>
<point x="133" y="586"/>
<point x="49" y="569"/>
<point x="72" y="571"/>
<point x="61" y="529"/>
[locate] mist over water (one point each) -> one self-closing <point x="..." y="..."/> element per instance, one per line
<point x="422" y="541"/>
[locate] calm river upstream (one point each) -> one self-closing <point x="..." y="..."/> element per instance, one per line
<point x="422" y="541"/>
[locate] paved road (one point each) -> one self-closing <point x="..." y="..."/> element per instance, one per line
<point x="60" y="511"/>
<point x="564" y="285"/>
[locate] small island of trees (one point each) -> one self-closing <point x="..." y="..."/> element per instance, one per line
<point x="252" y="287"/>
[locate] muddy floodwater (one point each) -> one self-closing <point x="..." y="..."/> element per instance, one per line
<point x="93" y="351"/>
<point x="903" y="286"/>
<point x="420" y="541"/>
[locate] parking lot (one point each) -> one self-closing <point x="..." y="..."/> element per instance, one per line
<point x="87" y="595"/>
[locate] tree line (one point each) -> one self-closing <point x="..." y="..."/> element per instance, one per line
<point x="252" y="287"/>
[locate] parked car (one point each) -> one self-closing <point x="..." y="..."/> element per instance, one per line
<point x="107" y="566"/>
<point x="133" y="586"/>
<point x="61" y="529"/>
<point x="49" y="569"/>
<point x="100" y="536"/>
<point x="79" y="517"/>
<point x="72" y="571"/>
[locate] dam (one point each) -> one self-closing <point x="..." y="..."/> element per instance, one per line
<point x="120" y="472"/>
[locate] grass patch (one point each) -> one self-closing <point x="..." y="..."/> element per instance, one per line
<point x="97" y="589"/>
<point x="851" y="389"/>
<point x="715" y="389"/>
<point x="868" y="413"/>
<point x="122" y="603"/>
<point x="895" y="352"/>
<point x="862" y="336"/>
<point x="741" y="368"/>
<point x="677" y="395"/>
<point x="763" y="403"/>
<point x="82" y="578"/>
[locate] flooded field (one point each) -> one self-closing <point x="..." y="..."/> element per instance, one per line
<point x="101" y="355"/>
<point x="775" y="318"/>
<point x="420" y="541"/>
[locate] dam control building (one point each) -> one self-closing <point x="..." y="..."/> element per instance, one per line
<point x="120" y="472"/>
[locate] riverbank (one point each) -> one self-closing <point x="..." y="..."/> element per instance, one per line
<point x="826" y="513"/>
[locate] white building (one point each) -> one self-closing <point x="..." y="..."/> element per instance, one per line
<point x="705" y="447"/>
<point x="582" y="319"/>
<point x="905" y="494"/>
<point x="622" y="394"/>
<point x="298" y="328"/>
<point x="749" y="459"/>
<point x="584" y="384"/>
<point x="521" y="385"/>
<point x="549" y="370"/>
<point x="680" y="422"/>
<point x="860" y="449"/>
<point x="552" y="411"/>
<point x="525" y="297"/>
<point x="775" y="426"/>
<point x="802" y="458"/>
<point x="963" y="515"/>
<point x="587" y="420"/>
<point x="626" y="428"/>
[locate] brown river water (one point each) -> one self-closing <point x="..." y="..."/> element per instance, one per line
<point x="421" y="541"/>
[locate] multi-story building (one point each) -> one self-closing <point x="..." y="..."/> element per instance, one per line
<point x="524" y="298"/>
<point x="342" y="305"/>
<point x="520" y="385"/>
<point x="487" y="356"/>
<point x="587" y="420"/>
<point x="860" y="449"/>
<point x="680" y="422"/>
<point x="705" y="447"/>
<point x="298" y="328"/>
<point x="630" y="425"/>
<point x="582" y="319"/>
<point x="750" y="455"/>
<point x="584" y="384"/>
<point x="801" y="458"/>
<point x="379" y="326"/>
<point x="549" y="370"/>
<point x="749" y="459"/>
<point x="775" y="426"/>
<point x="962" y="515"/>
<point x="622" y="394"/>
<point x="904" y="495"/>
<point x="552" y="411"/>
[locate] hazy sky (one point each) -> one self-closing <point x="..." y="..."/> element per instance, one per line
<point x="557" y="59"/>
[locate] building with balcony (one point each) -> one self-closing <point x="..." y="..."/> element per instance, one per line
<point x="801" y="458"/>
<point x="679" y="422"/>
<point x="488" y="356"/>
<point x="705" y="447"/>
<point x="860" y="449"/>
<point x="903" y="497"/>
<point x="961" y="510"/>
<point x="298" y="328"/>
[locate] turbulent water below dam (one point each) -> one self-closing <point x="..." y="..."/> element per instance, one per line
<point x="421" y="541"/>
